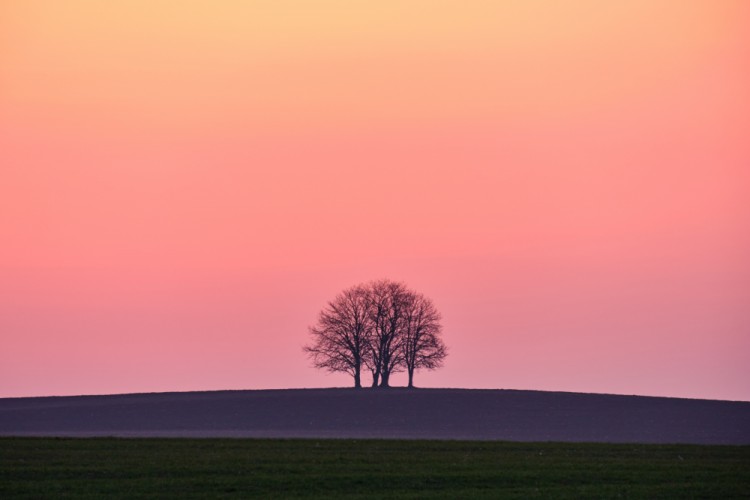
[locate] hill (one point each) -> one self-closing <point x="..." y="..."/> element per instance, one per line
<point x="397" y="413"/>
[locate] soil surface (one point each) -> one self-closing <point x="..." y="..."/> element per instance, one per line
<point x="396" y="413"/>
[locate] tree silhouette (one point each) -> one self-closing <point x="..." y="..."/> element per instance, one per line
<point x="341" y="337"/>
<point x="382" y="325"/>
<point x="421" y="344"/>
<point x="387" y="301"/>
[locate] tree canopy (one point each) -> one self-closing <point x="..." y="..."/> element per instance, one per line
<point x="382" y="326"/>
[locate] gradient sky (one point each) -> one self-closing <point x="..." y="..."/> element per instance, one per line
<point x="184" y="184"/>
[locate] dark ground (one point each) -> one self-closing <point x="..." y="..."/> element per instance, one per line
<point x="459" y="414"/>
<point x="341" y="468"/>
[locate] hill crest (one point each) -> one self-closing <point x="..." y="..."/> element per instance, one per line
<point x="472" y="414"/>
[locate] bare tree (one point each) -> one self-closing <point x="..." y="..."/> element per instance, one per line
<point x="387" y="300"/>
<point x="341" y="337"/>
<point x="421" y="344"/>
<point x="382" y="325"/>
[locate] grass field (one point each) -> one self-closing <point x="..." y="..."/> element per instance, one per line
<point x="219" y="468"/>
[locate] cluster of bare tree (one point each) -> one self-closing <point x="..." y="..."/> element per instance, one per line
<point x="382" y="326"/>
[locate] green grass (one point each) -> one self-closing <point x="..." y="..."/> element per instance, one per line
<point x="276" y="468"/>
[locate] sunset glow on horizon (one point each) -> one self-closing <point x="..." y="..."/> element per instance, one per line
<point x="183" y="186"/>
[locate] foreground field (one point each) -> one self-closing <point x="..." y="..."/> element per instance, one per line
<point x="219" y="468"/>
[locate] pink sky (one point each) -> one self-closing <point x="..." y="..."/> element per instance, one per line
<point x="184" y="184"/>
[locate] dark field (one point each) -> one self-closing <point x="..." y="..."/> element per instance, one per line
<point x="274" y="468"/>
<point x="460" y="414"/>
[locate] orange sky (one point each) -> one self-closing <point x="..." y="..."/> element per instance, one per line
<point x="184" y="184"/>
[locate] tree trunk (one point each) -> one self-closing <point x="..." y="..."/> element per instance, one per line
<point x="384" y="379"/>
<point x="357" y="379"/>
<point x="375" y="379"/>
<point x="411" y="378"/>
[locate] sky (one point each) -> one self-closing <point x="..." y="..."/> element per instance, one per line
<point x="184" y="184"/>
